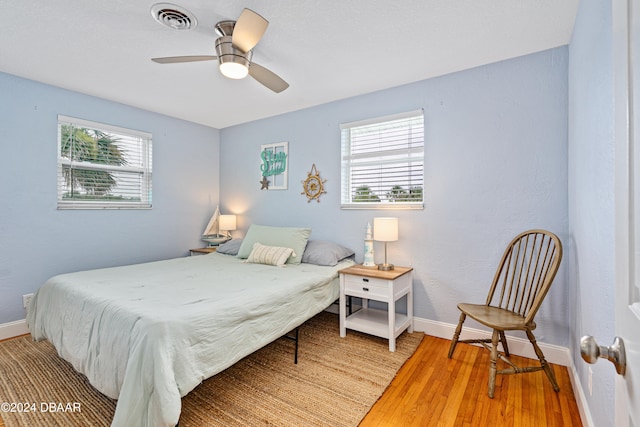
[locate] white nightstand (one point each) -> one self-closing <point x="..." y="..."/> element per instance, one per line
<point x="369" y="283"/>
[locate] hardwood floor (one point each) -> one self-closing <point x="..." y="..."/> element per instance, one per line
<point x="433" y="390"/>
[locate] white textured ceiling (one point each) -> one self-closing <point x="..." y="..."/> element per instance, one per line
<point x="325" y="49"/>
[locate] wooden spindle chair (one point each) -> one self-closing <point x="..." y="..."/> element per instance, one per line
<point x="519" y="286"/>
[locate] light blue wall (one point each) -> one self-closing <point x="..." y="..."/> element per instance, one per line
<point x="591" y="203"/>
<point x="38" y="241"/>
<point x="496" y="162"/>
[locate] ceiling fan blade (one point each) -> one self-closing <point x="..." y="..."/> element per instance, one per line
<point x="177" y="59"/>
<point x="267" y="78"/>
<point x="248" y="30"/>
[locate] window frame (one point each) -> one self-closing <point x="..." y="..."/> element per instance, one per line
<point x="346" y="163"/>
<point x="145" y="140"/>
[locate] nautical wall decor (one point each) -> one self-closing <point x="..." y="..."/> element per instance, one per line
<point x="314" y="185"/>
<point x="274" y="165"/>
<point x="264" y="183"/>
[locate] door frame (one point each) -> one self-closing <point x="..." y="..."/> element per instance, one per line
<point x="623" y="24"/>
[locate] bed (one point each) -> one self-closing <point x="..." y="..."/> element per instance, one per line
<point x="147" y="334"/>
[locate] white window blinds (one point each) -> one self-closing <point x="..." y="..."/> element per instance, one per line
<point x="383" y="162"/>
<point x="102" y="166"/>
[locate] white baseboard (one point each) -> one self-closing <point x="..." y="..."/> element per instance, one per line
<point x="581" y="398"/>
<point x="13" y="329"/>
<point x="517" y="346"/>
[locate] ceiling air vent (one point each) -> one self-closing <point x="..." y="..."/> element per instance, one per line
<point x="173" y="16"/>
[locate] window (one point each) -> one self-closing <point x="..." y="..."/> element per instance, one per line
<point x="383" y="162"/>
<point x="102" y="166"/>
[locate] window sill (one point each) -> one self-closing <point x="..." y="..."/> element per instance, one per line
<point x="380" y="206"/>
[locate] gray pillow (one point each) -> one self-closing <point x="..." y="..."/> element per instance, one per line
<point x="322" y="252"/>
<point x="230" y="247"/>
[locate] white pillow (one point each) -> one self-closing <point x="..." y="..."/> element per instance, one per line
<point x="270" y="255"/>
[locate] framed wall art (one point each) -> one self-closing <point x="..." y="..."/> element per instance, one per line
<point x="274" y="166"/>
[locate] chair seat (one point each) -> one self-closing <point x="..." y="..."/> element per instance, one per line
<point x="496" y="318"/>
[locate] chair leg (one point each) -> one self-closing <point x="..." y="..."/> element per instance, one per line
<point x="456" y="335"/>
<point x="545" y="365"/>
<point x="503" y="340"/>
<point x="492" y="365"/>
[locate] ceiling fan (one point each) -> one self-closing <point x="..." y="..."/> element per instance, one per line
<point x="234" y="49"/>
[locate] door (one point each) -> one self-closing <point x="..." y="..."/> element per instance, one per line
<point x="626" y="74"/>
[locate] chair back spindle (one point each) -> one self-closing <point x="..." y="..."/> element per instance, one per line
<point x="525" y="273"/>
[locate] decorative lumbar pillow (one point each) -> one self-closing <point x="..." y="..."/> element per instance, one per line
<point x="270" y="255"/>
<point x="230" y="247"/>
<point x="321" y="252"/>
<point x="285" y="237"/>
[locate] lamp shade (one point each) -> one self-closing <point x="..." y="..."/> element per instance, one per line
<point x="385" y="229"/>
<point x="227" y="222"/>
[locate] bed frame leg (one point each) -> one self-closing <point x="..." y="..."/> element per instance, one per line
<point x="295" y="338"/>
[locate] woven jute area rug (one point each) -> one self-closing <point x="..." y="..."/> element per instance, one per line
<point x="335" y="383"/>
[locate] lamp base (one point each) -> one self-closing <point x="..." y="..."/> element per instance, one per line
<point x="385" y="267"/>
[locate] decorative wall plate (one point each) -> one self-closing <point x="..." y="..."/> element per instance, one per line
<point x="314" y="185"/>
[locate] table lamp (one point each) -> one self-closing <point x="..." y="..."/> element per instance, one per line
<point x="227" y="224"/>
<point x="217" y="230"/>
<point x="385" y="230"/>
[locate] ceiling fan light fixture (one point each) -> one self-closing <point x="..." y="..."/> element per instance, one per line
<point x="234" y="70"/>
<point x="234" y="51"/>
<point x="234" y="63"/>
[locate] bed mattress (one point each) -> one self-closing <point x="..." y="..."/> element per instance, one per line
<point x="147" y="334"/>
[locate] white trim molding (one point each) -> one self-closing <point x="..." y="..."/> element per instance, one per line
<point x="13" y="329"/>
<point x="581" y="398"/>
<point x="517" y="346"/>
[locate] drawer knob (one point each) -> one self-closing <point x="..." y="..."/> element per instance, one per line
<point x="364" y="279"/>
<point x="365" y="289"/>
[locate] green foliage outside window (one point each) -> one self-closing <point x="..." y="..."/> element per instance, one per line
<point x="397" y="194"/>
<point x="91" y="146"/>
<point x="364" y="194"/>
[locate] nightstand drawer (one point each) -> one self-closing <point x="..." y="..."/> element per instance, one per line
<point x="366" y="287"/>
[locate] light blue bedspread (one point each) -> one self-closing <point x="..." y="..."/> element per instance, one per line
<point x="148" y="334"/>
